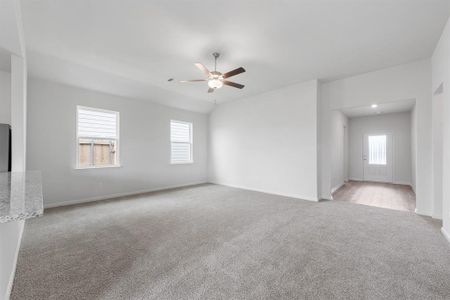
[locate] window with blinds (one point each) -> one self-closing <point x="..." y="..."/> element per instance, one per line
<point x="181" y="142"/>
<point x="377" y="150"/>
<point x="97" y="137"/>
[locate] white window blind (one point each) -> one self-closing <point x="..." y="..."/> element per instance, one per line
<point x="377" y="150"/>
<point x="97" y="137"/>
<point x="181" y="142"/>
<point x="97" y="123"/>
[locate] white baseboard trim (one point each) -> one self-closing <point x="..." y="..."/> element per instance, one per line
<point x="296" y="196"/>
<point x="337" y="187"/>
<point x="326" y="197"/>
<point x="436" y="217"/>
<point x="394" y="182"/>
<point x="422" y="213"/>
<point x="118" y="195"/>
<point x="16" y="256"/>
<point x="403" y="183"/>
<point x="355" y="179"/>
<point x="446" y="234"/>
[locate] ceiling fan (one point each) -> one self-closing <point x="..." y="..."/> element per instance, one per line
<point x="216" y="79"/>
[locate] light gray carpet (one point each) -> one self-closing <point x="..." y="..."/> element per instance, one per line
<point x="215" y="242"/>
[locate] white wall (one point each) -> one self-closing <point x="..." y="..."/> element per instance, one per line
<point x="438" y="131"/>
<point x="18" y="113"/>
<point x="409" y="81"/>
<point x="10" y="238"/>
<point x="144" y="145"/>
<point x="268" y="142"/>
<point x="12" y="111"/>
<point x="10" y="233"/>
<point x="413" y="148"/>
<point x="441" y="75"/>
<point x="5" y="97"/>
<point x="397" y="124"/>
<point x="339" y="173"/>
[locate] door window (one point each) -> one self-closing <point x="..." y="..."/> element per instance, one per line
<point x="377" y="149"/>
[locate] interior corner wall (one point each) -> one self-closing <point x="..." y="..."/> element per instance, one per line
<point x="268" y="142"/>
<point x="318" y="137"/>
<point x="396" y="124"/>
<point x="413" y="147"/>
<point x="144" y="145"/>
<point x="441" y="76"/>
<point x="11" y="232"/>
<point x="438" y="131"/>
<point x="338" y="156"/>
<point x="408" y="81"/>
<point x="5" y="97"/>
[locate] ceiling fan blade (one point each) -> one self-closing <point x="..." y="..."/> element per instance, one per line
<point x="193" y="80"/>
<point x="233" y="84"/>
<point x="203" y="69"/>
<point x="234" y="72"/>
<point x="210" y="90"/>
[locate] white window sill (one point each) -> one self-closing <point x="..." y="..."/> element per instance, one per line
<point x="98" y="167"/>
<point x="182" y="163"/>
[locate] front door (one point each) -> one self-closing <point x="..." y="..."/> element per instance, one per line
<point x="377" y="157"/>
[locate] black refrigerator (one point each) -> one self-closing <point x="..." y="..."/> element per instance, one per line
<point x="5" y="148"/>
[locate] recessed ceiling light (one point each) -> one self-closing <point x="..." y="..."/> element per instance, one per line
<point x="374" y="105"/>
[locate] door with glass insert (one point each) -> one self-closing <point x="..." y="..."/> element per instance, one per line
<point x="377" y="157"/>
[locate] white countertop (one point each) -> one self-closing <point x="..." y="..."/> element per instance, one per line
<point x="20" y="195"/>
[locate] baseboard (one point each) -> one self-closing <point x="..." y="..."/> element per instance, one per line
<point x="403" y="183"/>
<point x="296" y="196"/>
<point x="16" y="256"/>
<point x="355" y="179"/>
<point x="117" y="195"/>
<point x="337" y="187"/>
<point x="394" y="182"/>
<point x="436" y="217"/>
<point x="326" y="197"/>
<point x="422" y="213"/>
<point x="446" y="234"/>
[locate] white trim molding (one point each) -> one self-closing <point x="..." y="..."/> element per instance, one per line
<point x="118" y="195"/>
<point x="421" y="213"/>
<point x="445" y="233"/>
<point x="403" y="183"/>
<point x="290" y="195"/>
<point x="337" y="187"/>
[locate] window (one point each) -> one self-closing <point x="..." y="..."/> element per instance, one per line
<point x="181" y="142"/>
<point x="377" y="150"/>
<point x="97" y="138"/>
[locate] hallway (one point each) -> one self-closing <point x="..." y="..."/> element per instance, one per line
<point x="384" y="195"/>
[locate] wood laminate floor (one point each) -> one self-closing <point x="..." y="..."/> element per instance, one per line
<point x="385" y="195"/>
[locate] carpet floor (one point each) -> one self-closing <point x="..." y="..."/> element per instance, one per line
<point x="215" y="242"/>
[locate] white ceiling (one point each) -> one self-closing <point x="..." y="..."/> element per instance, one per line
<point x="383" y="108"/>
<point x="132" y="47"/>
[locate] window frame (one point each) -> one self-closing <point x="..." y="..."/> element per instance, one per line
<point x="77" y="139"/>
<point x="191" y="142"/>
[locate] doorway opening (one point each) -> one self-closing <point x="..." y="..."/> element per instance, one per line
<point x="376" y="166"/>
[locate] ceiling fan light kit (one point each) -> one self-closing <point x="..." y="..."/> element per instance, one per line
<point x="215" y="79"/>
